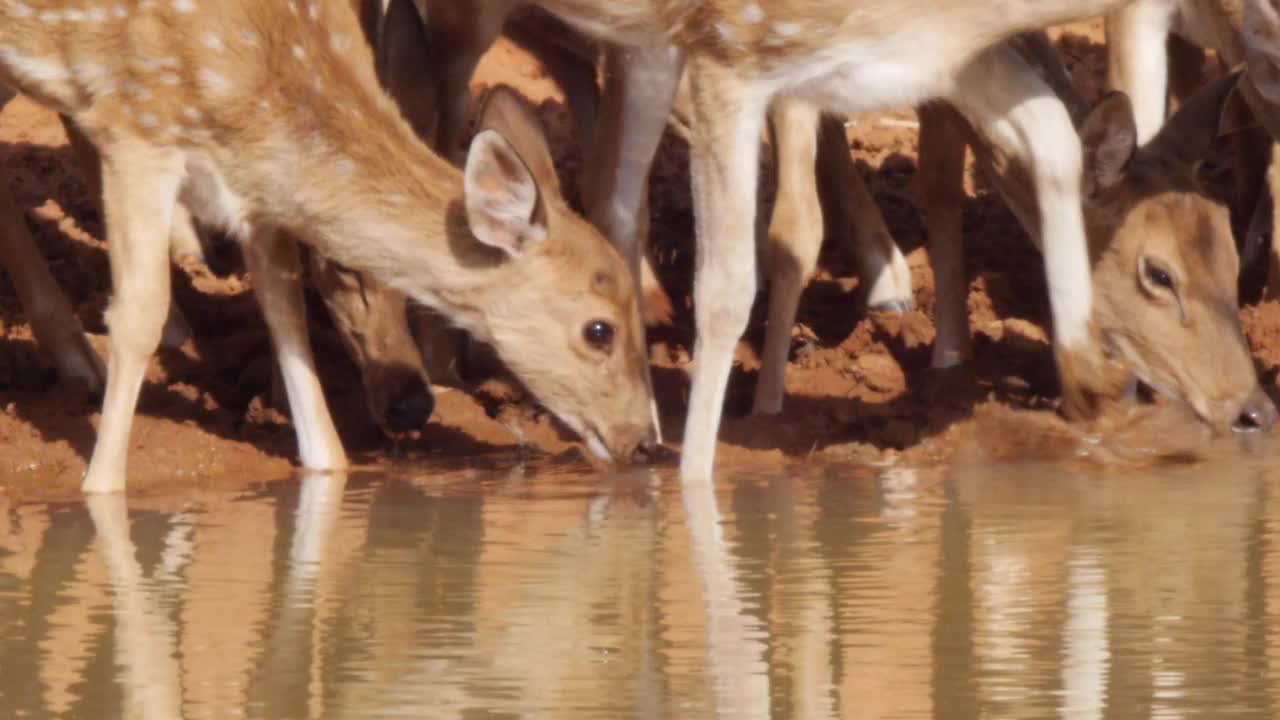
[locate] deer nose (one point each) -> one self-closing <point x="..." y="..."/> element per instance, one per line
<point x="1258" y="414"/>
<point x="412" y="409"/>
<point x="649" y="452"/>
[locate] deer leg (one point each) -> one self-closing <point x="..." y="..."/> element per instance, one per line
<point x="1138" y="61"/>
<point x="941" y="178"/>
<point x="794" y="240"/>
<point x="724" y="169"/>
<point x="52" y="320"/>
<point x="182" y="238"/>
<point x="140" y="188"/>
<point x="1253" y="150"/>
<point x="640" y="87"/>
<point x="272" y="258"/>
<point x="1010" y="105"/>
<point x="857" y="217"/>
<point x="1273" y="189"/>
<point x="459" y="34"/>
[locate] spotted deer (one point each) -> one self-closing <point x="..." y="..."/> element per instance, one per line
<point x="1163" y="255"/>
<point x="224" y="104"/>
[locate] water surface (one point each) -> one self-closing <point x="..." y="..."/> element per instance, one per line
<point x="1000" y="591"/>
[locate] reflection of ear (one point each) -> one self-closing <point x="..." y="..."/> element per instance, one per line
<point x="1109" y="139"/>
<point x="501" y="196"/>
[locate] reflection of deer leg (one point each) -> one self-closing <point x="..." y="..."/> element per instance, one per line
<point x="285" y="677"/>
<point x="735" y="655"/>
<point x="1084" y="662"/>
<point x="145" y="639"/>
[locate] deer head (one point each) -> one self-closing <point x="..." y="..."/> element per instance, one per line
<point x="582" y="350"/>
<point x="1165" y="261"/>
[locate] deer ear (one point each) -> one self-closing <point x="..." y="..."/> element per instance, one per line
<point x="509" y="113"/>
<point x="501" y="196"/>
<point x="1235" y="115"/>
<point x="1187" y="136"/>
<point x="1109" y="139"/>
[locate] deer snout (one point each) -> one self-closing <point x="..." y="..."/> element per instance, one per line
<point x="1257" y="415"/>
<point x="639" y="445"/>
<point x="411" y="407"/>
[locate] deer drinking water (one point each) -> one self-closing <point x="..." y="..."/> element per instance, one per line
<point x="849" y="56"/>
<point x="756" y="44"/>
<point x="232" y="105"/>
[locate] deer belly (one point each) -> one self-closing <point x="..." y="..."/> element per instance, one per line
<point x="863" y="78"/>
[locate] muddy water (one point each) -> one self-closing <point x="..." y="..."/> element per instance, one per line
<point x="1007" y="591"/>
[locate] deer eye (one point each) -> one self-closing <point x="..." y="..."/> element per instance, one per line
<point x="1157" y="275"/>
<point x="598" y="334"/>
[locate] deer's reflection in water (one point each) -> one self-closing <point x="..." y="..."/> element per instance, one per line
<point x="1007" y="591"/>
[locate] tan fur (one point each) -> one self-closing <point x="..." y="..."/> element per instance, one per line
<point x="230" y="103"/>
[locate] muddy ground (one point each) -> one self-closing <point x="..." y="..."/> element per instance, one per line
<point x="858" y="386"/>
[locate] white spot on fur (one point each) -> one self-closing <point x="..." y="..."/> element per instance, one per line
<point x="213" y="42"/>
<point x="33" y="69"/>
<point x="345" y="167"/>
<point x="192" y="114"/>
<point x="73" y="15"/>
<point x="170" y="79"/>
<point x="97" y="15"/>
<point x="184" y="6"/>
<point x="786" y="29"/>
<point x="263" y="105"/>
<point x="171" y="63"/>
<point x="21" y="10"/>
<point x="148" y="120"/>
<point x="121" y="12"/>
<point x="313" y="11"/>
<point x="97" y="78"/>
<point x="339" y="42"/>
<point x="752" y="13"/>
<point x="249" y="38"/>
<point x="213" y="82"/>
<point x="298" y="52"/>
<point x="724" y="31"/>
<point x="50" y="17"/>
